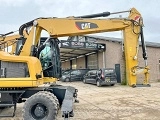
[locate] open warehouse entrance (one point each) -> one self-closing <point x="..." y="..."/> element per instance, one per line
<point x="80" y="52"/>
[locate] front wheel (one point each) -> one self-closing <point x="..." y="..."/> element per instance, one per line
<point x="40" y="106"/>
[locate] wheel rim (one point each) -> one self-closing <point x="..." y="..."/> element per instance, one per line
<point x="39" y="111"/>
<point x="98" y="83"/>
<point x="84" y="80"/>
<point x="67" y="79"/>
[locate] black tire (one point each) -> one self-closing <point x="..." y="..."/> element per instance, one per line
<point x="1" y="108"/>
<point x="133" y="86"/>
<point x="40" y="106"/>
<point x="112" y="84"/>
<point x="67" y="80"/>
<point x="54" y="97"/>
<point x="98" y="83"/>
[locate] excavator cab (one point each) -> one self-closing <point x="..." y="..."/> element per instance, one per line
<point x="49" y="57"/>
<point x="48" y="54"/>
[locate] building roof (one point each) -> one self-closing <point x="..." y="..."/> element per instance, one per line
<point x="148" y="44"/>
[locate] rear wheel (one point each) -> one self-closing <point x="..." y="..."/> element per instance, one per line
<point x="99" y="83"/>
<point x="112" y="84"/>
<point x="40" y="106"/>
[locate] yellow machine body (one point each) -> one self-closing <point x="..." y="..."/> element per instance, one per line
<point x="34" y="66"/>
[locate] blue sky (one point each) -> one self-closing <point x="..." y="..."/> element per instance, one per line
<point x="16" y="12"/>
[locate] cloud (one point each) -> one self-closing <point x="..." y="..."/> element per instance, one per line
<point x="13" y="3"/>
<point x="61" y="8"/>
<point x="5" y="28"/>
<point x="17" y="12"/>
<point x="152" y="25"/>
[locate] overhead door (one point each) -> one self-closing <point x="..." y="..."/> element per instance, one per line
<point x="92" y="61"/>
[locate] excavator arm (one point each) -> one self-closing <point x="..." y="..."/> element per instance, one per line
<point x="5" y="42"/>
<point x="72" y="26"/>
<point x="10" y="39"/>
<point x="132" y="28"/>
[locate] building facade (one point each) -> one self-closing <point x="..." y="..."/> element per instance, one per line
<point x="114" y="55"/>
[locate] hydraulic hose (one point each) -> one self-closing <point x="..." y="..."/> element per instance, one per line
<point x="22" y="27"/>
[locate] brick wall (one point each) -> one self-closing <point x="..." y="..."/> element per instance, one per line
<point x="153" y="62"/>
<point x="100" y="60"/>
<point x="114" y="55"/>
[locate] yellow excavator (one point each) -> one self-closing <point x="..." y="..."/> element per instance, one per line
<point x="8" y="41"/>
<point x="35" y="62"/>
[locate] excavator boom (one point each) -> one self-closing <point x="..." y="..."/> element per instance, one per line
<point x="73" y="26"/>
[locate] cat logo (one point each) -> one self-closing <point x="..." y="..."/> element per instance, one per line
<point x="85" y="25"/>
